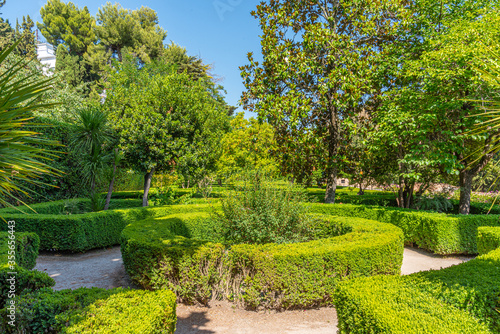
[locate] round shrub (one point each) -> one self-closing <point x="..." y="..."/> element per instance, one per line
<point x="259" y="212"/>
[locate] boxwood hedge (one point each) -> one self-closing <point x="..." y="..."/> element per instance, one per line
<point x="23" y="251"/>
<point x="181" y="252"/>
<point x="437" y="232"/>
<point x="93" y="310"/>
<point x="82" y="232"/>
<point x="459" y="299"/>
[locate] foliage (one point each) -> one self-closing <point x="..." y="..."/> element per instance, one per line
<point x="437" y="232"/>
<point x="320" y="66"/>
<point x="422" y="120"/>
<point x="257" y="212"/>
<point x="25" y="38"/>
<point x="177" y="55"/>
<point x="164" y="120"/>
<point x="65" y="23"/>
<point x="179" y="251"/>
<point x="137" y="30"/>
<point x="6" y="34"/>
<point x="84" y="310"/>
<point x="168" y="196"/>
<point x="91" y="137"/>
<point x="488" y="239"/>
<point x="437" y="202"/>
<point x="20" y="159"/>
<point x="402" y="309"/>
<point x="247" y="146"/>
<point x="463" y="297"/>
<point x="25" y="252"/>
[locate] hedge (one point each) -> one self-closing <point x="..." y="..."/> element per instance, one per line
<point x="180" y="252"/>
<point x="488" y="239"/>
<point x="94" y="310"/>
<point x="459" y="299"/>
<point x="25" y="254"/>
<point x="437" y="232"/>
<point x="82" y="232"/>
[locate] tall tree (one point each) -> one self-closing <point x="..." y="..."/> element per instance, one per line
<point x="27" y="44"/>
<point x="423" y="121"/>
<point x="136" y="31"/>
<point x="247" y="146"/>
<point x="319" y="65"/>
<point x="6" y="34"/>
<point x="162" y="117"/>
<point x="65" y="23"/>
<point x="177" y="55"/>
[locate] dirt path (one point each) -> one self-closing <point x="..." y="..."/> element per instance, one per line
<point x="104" y="269"/>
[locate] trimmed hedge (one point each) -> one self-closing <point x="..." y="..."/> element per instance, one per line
<point x="180" y="252"/>
<point x="82" y="232"/>
<point x="459" y="299"/>
<point x="437" y="232"/>
<point x="94" y="310"/>
<point x="25" y="252"/>
<point x="488" y="239"/>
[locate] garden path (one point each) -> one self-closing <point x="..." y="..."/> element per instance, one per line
<point x="104" y="269"/>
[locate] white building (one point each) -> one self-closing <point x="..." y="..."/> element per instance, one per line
<point x="46" y="56"/>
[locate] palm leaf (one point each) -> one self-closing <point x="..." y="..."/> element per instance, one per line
<point x="22" y="156"/>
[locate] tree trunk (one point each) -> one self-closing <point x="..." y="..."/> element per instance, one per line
<point x="405" y="193"/>
<point x="331" y="185"/>
<point x="147" y="184"/>
<point x="465" y="181"/>
<point x="110" y="189"/>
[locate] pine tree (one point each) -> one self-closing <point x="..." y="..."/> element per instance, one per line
<point x="6" y="33"/>
<point x="26" y="46"/>
<point x="65" y="23"/>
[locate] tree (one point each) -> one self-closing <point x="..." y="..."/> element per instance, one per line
<point x="247" y="146"/>
<point x="65" y="23"/>
<point x="177" y="55"/>
<point x="136" y="31"/>
<point x="162" y="117"/>
<point x="319" y="66"/>
<point x="26" y="46"/>
<point x="70" y="66"/>
<point x="6" y="34"/>
<point x="442" y="80"/>
<point x="22" y="156"/>
<point x="90" y="134"/>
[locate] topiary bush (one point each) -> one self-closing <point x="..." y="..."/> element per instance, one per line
<point x="184" y="253"/>
<point x="94" y="310"/>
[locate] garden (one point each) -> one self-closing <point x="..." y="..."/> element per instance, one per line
<point x="377" y="131"/>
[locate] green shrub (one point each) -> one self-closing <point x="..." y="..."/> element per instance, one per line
<point x="388" y="304"/>
<point x="259" y="212"/>
<point x="82" y="232"/>
<point x="94" y="310"/>
<point x="182" y="252"/>
<point x="462" y="298"/>
<point x="437" y="232"/>
<point x="25" y="253"/>
<point x="488" y="239"/>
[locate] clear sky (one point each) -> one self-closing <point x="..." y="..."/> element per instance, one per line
<point x="221" y="32"/>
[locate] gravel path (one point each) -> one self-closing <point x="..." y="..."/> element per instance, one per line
<point x="104" y="269"/>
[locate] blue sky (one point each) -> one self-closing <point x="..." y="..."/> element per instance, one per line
<point x="221" y="32"/>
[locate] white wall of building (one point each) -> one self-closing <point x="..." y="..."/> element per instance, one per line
<point x="46" y="56"/>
